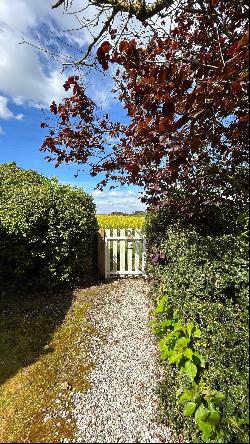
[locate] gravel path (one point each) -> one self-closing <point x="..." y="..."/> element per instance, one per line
<point x="121" y="405"/>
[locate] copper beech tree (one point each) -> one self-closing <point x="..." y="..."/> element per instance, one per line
<point x="185" y="92"/>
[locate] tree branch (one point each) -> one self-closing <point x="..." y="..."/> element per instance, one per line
<point x="137" y="8"/>
<point x="182" y="59"/>
<point x="58" y="3"/>
<point x="104" y="28"/>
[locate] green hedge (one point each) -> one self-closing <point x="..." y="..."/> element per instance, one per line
<point x="203" y="280"/>
<point x="47" y="231"/>
<point x="207" y="218"/>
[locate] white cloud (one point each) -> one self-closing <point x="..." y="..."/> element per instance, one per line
<point x="114" y="200"/>
<point x="25" y="76"/>
<point x="103" y="98"/>
<point x="19" y="117"/>
<point x="119" y="194"/>
<point x="22" y="76"/>
<point x="5" y="112"/>
<point x="28" y="78"/>
<point x="125" y="201"/>
<point x="26" y="15"/>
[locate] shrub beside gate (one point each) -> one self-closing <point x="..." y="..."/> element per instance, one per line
<point x="48" y="231"/>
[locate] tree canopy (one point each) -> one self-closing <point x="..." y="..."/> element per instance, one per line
<point x="185" y="92"/>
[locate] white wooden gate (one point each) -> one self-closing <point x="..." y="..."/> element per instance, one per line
<point x="121" y="252"/>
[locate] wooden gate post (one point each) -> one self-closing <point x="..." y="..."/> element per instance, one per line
<point x="101" y="253"/>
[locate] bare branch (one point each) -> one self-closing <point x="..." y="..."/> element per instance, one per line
<point x="104" y="28"/>
<point x="60" y="57"/>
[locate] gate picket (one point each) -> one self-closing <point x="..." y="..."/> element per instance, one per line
<point x="107" y="253"/>
<point x="130" y="251"/>
<point x="125" y="252"/>
<point x="137" y="251"/>
<point x="122" y="251"/>
<point x="114" y="258"/>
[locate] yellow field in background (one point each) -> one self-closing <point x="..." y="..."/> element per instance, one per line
<point x="112" y="221"/>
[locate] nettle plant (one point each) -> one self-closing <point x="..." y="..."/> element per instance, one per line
<point x="179" y="344"/>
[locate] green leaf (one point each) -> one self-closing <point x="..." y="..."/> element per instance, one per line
<point x="190" y="369"/>
<point x="197" y="333"/>
<point x="178" y="326"/>
<point x="175" y="357"/>
<point x="206" y="429"/>
<point x="214" y="417"/>
<point x="201" y="413"/>
<point x="188" y="395"/>
<point x="189" y="409"/>
<point x="165" y="323"/>
<point x="165" y="351"/>
<point x="220" y="437"/>
<point x="217" y="397"/>
<point x="181" y="343"/>
<point x="162" y="344"/>
<point x="188" y="353"/>
<point x="169" y="337"/>
<point x="164" y="354"/>
<point x="201" y="359"/>
<point x="161" y="305"/>
<point x="176" y="314"/>
<point x="190" y="326"/>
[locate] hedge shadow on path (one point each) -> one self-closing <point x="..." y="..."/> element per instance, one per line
<point x="27" y="324"/>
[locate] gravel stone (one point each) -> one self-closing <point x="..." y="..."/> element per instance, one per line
<point x="121" y="404"/>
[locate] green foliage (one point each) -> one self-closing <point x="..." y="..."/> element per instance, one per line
<point x="178" y="341"/>
<point x="202" y="326"/>
<point x="213" y="219"/>
<point x="178" y="345"/>
<point x="47" y="231"/>
<point x="243" y="224"/>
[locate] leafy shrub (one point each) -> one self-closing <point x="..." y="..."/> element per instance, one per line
<point x="189" y="211"/>
<point x="47" y="231"/>
<point x="205" y="281"/>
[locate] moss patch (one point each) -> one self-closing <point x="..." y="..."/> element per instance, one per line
<point x="43" y="344"/>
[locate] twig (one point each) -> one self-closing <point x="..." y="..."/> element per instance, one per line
<point x="182" y="59"/>
<point x="218" y="38"/>
<point x="46" y="51"/>
<point x="58" y="3"/>
<point x="104" y="28"/>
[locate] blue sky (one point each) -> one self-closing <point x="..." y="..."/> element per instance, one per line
<point x="29" y="82"/>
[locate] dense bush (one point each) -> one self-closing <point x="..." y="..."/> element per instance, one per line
<point x="203" y="280"/>
<point x="47" y="231"/>
<point x="203" y="214"/>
